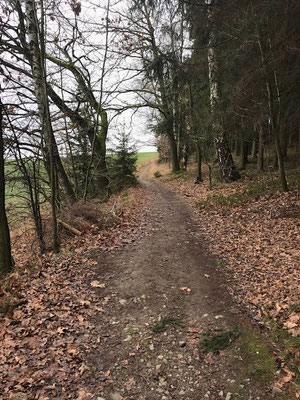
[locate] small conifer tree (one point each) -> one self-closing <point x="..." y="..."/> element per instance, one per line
<point x="122" y="165"/>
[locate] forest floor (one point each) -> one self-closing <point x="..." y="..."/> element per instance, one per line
<point x="140" y="309"/>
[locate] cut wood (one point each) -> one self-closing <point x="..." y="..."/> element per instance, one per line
<point x="69" y="227"/>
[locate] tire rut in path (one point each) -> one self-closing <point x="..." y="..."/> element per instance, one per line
<point x="168" y="273"/>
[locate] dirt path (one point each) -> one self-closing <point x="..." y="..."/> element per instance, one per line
<point x="168" y="275"/>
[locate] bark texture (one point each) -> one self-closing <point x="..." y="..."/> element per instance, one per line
<point x="40" y="89"/>
<point x="227" y="168"/>
<point x="6" y="262"/>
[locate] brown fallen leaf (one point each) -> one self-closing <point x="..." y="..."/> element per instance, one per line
<point x="285" y="379"/>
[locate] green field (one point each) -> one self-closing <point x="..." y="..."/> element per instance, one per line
<point x="146" y="157"/>
<point x="16" y="192"/>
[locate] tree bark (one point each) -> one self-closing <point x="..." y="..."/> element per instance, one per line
<point x="254" y="149"/>
<point x="173" y="153"/>
<point x="6" y="262"/>
<point x="260" y="157"/>
<point x="36" y="45"/>
<point x="199" y="163"/>
<point x="244" y="153"/>
<point x="227" y="168"/>
<point x="37" y="66"/>
<point x="274" y="122"/>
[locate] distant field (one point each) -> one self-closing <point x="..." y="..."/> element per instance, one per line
<point x="145" y="157"/>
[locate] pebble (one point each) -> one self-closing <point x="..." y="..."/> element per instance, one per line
<point x="115" y="396"/>
<point x="228" y="396"/>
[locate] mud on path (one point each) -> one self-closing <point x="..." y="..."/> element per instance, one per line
<point x="168" y="276"/>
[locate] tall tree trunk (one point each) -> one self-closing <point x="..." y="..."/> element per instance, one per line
<point x="36" y="44"/>
<point x="40" y="90"/>
<point x="260" y="157"/>
<point x="6" y="262"/>
<point x="186" y="156"/>
<point x="237" y="146"/>
<point x="102" y="136"/>
<point x="199" y="163"/>
<point x="227" y="168"/>
<point x="244" y="153"/>
<point x="274" y="121"/>
<point x="166" y="101"/>
<point x="173" y="153"/>
<point x="254" y="149"/>
<point x="285" y="134"/>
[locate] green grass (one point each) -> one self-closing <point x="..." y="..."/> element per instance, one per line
<point x="146" y="157"/>
<point x="260" y="359"/>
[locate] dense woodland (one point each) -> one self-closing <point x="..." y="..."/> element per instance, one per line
<point x="216" y="79"/>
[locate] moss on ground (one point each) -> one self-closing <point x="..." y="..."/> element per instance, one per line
<point x="261" y="361"/>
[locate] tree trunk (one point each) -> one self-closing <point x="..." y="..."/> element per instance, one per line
<point x="199" y="163"/>
<point x="254" y="149"/>
<point x="260" y="158"/>
<point x="40" y="90"/>
<point x="228" y="170"/>
<point x="244" y="153"/>
<point x="285" y="140"/>
<point x="6" y="262"/>
<point x="36" y="45"/>
<point x="173" y="153"/>
<point x="186" y="157"/>
<point x="274" y="122"/>
<point x="237" y="147"/>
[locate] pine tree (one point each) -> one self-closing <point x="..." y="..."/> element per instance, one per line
<point x="123" y="163"/>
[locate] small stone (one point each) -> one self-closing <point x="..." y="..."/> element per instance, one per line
<point x="228" y="396"/>
<point x="128" y="338"/>
<point x="221" y="393"/>
<point x="122" y="302"/>
<point x="115" y="396"/>
<point x="151" y="347"/>
<point x="162" y="381"/>
<point x="182" y="343"/>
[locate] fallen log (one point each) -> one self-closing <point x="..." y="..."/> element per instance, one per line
<point x="69" y="227"/>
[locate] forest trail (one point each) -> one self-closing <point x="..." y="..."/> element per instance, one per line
<point x="168" y="276"/>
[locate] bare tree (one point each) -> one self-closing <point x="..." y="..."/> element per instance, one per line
<point x="6" y="261"/>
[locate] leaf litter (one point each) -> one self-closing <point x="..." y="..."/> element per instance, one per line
<point x="46" y="333"/>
